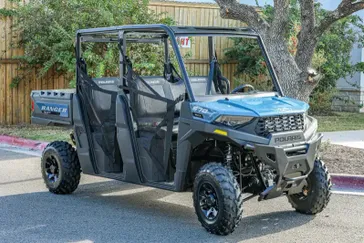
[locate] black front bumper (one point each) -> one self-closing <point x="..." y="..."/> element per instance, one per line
<point x="293" y="164"/>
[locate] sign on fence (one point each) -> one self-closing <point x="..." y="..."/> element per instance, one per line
<point x="184" y="42"/>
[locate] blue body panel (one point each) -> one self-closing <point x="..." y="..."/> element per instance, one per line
<point x="249" y="106"/>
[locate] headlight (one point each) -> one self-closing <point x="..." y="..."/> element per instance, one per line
<point x="233" y="120"/>
<point x="306" y="121"/>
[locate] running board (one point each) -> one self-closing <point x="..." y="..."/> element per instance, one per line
<point x="162" y="185"/>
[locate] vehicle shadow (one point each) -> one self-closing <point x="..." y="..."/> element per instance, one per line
<point x="269" y="223"/>
<point x="113" y="211"/>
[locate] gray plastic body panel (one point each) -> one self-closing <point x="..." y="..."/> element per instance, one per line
<point x="83" y="149"/>
<point x="291" y="163"/>
<point x="127" y="146"/>
<point x="52" y="107"/>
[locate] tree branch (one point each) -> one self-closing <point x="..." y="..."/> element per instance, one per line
<point x="306" y="37"/>
<point x="231" y="9"/>
<point x="346" y="8"/>
<point x="281" y="18"/>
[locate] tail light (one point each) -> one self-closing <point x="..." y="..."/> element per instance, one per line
<point x="32" y="105"/>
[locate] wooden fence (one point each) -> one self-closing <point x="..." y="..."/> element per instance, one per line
<point x="15" y="105"/>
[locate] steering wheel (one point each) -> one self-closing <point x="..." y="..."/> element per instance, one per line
<point x="240" y="89"/>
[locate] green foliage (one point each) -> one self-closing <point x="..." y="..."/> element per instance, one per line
<point x="320" y="102"/>
<point x="154" y="53"/>
<point x="251" y="66"/>
<point x="337" y="44"/>
<point x="248" y="55"/>
<point x="47" y="32"/>
<point x="6" y="12"/>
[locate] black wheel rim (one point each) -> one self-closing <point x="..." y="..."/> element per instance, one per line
<point x="51" y="169"/>
<point x="208" y="201"/>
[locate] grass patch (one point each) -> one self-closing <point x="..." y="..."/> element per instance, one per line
<point x="41" y="133"/>
<point x="340" y="121"/>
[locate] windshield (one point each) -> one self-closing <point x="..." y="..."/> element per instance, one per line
<point x="225" y="65"/>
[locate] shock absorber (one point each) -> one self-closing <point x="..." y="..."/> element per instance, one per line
<point x="228" y="155"/>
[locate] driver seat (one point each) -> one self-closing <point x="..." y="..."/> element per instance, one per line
<point x="199" y="85"/>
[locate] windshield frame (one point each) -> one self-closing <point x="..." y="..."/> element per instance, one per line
<point x="272" y="73"/>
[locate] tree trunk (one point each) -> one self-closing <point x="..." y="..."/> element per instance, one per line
<point x="295" y="83"/>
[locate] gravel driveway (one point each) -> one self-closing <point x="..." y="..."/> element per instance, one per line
<point x="341" y="159"/>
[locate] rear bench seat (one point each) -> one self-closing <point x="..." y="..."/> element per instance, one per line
<point x="102" y="101"/>
<point x="146" y="107"/>
<point x="150" y="110"/>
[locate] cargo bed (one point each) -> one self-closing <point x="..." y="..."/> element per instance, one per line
<point x="52" y="107"/>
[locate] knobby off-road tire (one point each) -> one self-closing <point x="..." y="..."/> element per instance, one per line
<point x="60" y="167"/>
<point x="226" y="190"/>
<point x="319" y="191"/>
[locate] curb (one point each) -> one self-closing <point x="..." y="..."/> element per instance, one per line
<point x="348" y="182"/>
<point x="23" y="143"/>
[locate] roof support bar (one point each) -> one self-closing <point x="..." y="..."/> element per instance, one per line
<point x="121" y="58"/>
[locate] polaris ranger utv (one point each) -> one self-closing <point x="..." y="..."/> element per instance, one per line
<point x="180" y="132"/>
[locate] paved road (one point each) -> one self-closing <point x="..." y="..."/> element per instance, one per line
<point x="110" y="211"/>
<point x="354" y="139"/>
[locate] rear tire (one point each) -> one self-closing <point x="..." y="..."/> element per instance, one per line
<point x="217" y="199"/>
<point x="60" y="167"/>
<point x="318" y="193"/>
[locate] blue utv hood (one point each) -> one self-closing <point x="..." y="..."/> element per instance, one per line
<point x="250" y="106"/>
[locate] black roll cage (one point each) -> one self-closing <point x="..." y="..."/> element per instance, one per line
<point x="118" y="34"/>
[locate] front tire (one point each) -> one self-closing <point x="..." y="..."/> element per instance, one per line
<point x="217" y="199"/>
<point x="61" y="169"/>
<point x="316" y="195"/>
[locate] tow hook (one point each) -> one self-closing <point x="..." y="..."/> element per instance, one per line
<point x="305" y="191"/>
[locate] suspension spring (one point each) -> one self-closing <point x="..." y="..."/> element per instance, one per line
<point x="228" y="155"/>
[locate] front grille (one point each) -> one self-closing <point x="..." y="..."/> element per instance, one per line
<point x="284" y="123"/>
